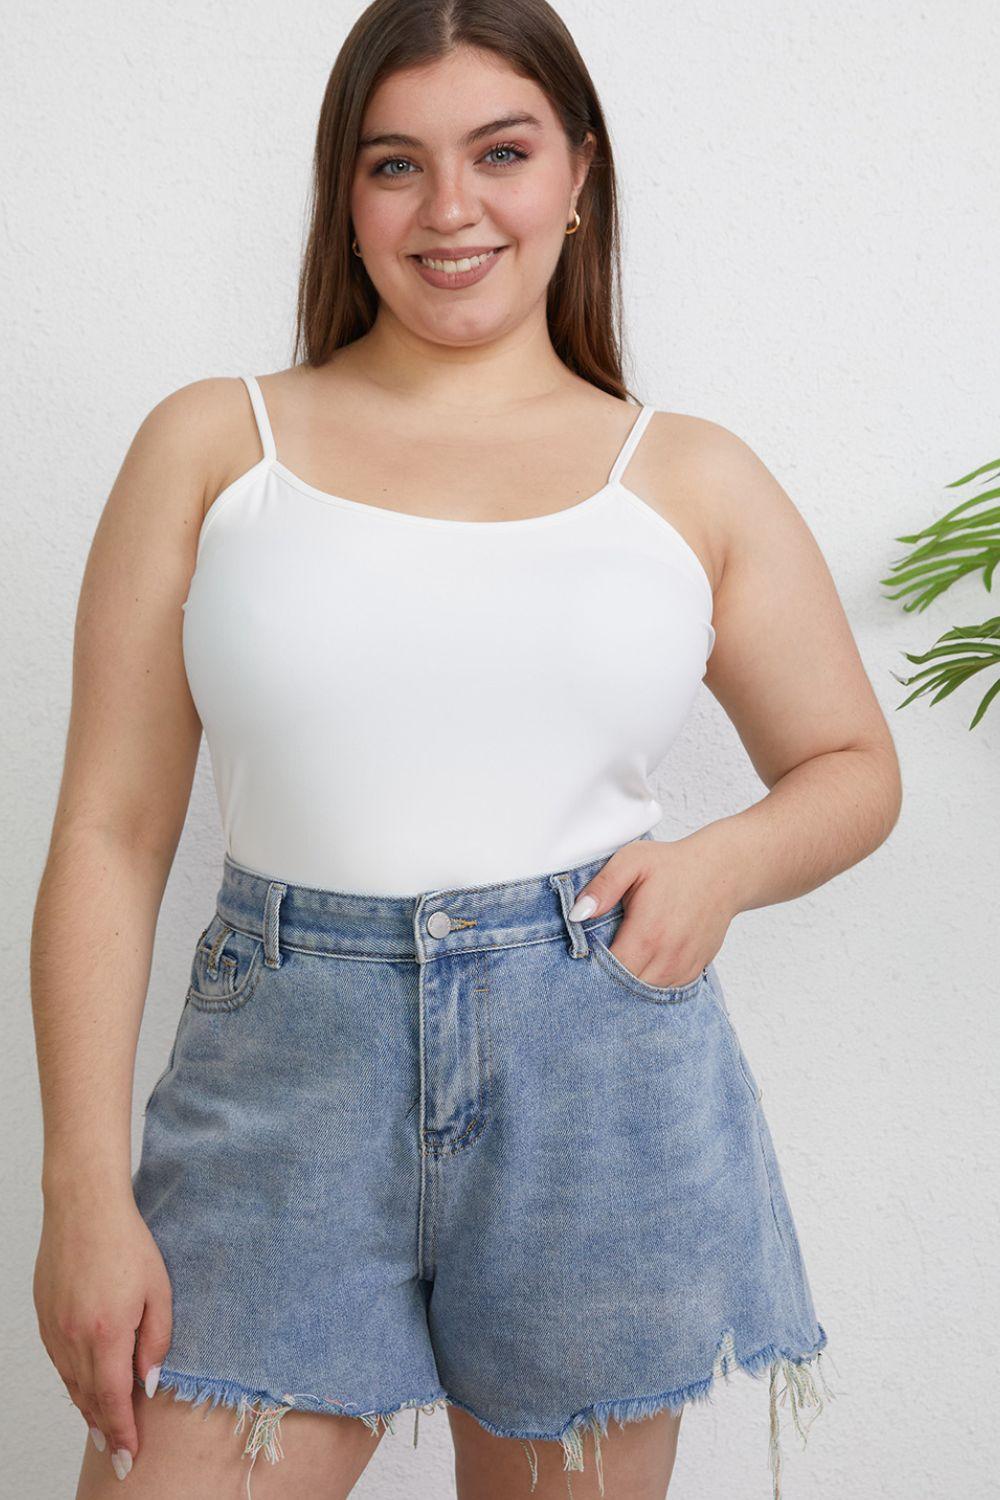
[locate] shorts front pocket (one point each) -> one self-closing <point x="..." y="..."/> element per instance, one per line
<point x="226" y="967"/>
<point x="603" y="933"/>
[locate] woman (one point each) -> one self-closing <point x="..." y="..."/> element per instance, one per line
<point x="455" y="1114"/>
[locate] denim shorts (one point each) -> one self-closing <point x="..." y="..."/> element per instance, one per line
<point x="447" y="1149"/>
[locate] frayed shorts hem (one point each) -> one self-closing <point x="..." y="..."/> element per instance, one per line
<point x="799" y="1387"/>
<point x="268" y="1409"/>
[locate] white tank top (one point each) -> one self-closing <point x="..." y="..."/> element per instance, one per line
<point x="396" y="703"/>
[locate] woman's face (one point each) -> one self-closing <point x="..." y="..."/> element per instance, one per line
<point x="438" y="171"/>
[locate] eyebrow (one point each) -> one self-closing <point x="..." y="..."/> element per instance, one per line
<point x="506" y="122"/>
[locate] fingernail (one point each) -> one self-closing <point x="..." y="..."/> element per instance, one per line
<point x="100" y="1441"/>
<point x="581" y="908"/>
<point x="121" y="1462"/>
<point x="152" y="1377"/>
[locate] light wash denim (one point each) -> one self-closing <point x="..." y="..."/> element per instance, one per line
<point x="410" y="1151"/>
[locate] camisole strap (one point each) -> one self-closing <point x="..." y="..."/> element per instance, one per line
<point x="629" y="446"/>
<point x="260" y="413"/>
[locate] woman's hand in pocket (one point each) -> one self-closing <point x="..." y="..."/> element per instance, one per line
<point x="103" y="1300"/>
<point x="676" y="910"/>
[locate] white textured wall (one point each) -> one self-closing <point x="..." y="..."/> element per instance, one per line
<point x="811" y="226"/>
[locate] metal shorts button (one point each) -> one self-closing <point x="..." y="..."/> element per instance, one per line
<point x="439" y="924"/>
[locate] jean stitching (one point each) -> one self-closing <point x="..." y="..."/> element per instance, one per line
<point x="470" y="1134"/>
<point x="240" y="996"/>
<point x="395" y="958"/>
<point x="675" y="994"/>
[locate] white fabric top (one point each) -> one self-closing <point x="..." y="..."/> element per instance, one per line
<point x="396" y="704"/>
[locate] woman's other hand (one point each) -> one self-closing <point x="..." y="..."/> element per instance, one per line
<point x="103" y="1300"/>
<point x="676" y="908"/>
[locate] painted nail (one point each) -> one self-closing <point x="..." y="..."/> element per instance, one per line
<point x="582" y="908"/>
<point x="121" y="1462"/>
<point x="151" y="1379"/>
<point x="100" y="1441"/>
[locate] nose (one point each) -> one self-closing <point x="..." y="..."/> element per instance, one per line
<point x="450" y="201"/>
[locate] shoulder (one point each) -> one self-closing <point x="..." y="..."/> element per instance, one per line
<point x="720" y="481"/>
<point x="704" y="450"/>
<point x="192" y="412"/>
<point x="203" y="431"/>
<point x="155" y="506"/>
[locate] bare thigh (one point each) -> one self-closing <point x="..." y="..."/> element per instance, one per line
<point x="637" y="1461"/>
<point x="196" y="1452"/>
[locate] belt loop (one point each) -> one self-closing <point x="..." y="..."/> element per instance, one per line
<point x="578" y="945"/>
<point x="272" y="952"/>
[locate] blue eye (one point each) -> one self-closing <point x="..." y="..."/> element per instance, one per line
<point x="389" y="161"/>
<point x="518" y="154"/>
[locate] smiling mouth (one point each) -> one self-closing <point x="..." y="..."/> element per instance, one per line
<point x="457" y="263"/>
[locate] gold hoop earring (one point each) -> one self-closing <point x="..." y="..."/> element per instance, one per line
<point x="354" y="247"/>
<point x="576" y="226"/>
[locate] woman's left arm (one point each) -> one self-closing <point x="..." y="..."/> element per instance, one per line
<point x="787" y="672"/>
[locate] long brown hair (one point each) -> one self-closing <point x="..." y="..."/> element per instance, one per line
<point x="337" y="302"/>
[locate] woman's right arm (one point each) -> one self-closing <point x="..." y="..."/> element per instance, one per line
<point x="101" y="1290"/>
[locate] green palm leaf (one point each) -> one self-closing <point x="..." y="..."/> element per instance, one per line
<point x="957" y="655"/>
<point x="950" y="548"/>
<point x="965" y="540"/>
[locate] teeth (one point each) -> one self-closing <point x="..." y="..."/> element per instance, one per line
<point x="456" y="265"/>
